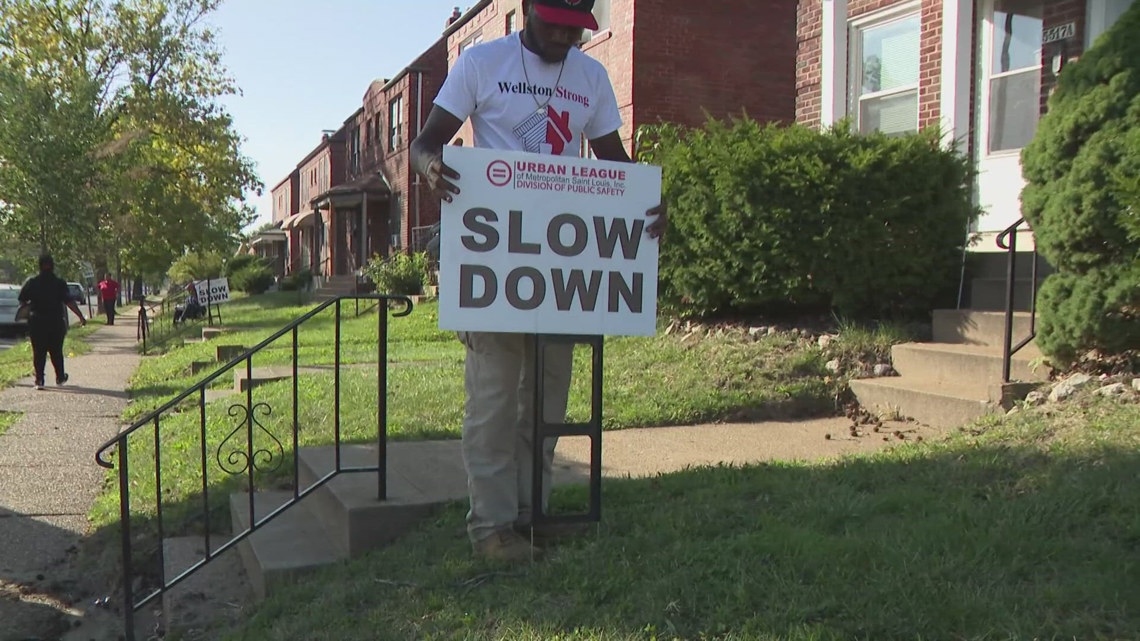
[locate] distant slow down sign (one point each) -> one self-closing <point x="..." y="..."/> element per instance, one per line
<point x="546" y="244"/>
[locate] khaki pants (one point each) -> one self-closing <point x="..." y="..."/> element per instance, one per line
<point x="498" y="424"/>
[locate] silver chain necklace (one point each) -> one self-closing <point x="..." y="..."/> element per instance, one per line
<point x="541" y="106"/>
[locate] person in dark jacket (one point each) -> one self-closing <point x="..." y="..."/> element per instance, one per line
<point x="49" y="299"/>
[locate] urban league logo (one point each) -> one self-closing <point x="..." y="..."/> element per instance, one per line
<point x="499" y="173"/>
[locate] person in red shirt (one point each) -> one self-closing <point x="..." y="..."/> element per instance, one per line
<point x="109" y="295"/>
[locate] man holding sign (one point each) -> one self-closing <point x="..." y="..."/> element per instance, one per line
<point x="535" y="92"/>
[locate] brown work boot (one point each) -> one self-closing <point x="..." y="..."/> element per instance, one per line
<point x="549" y="533"/>
<point x="505" y="544"/>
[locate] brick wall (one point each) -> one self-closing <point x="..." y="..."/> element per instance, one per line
<point x="720" y="57"/>
<point x="614" y="48"/>
<point x="411" y="205"/>
<point x="1056" y="14"/>
<point x="809" y="63"/>
<point x="283" y="199"/>
<point x="666" y="58"/>
<point x="490" y="23"/>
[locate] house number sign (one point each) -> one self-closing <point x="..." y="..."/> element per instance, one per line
<point x="1060" y="32"/>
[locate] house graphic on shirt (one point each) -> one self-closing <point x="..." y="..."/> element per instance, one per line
<point x="546" y="132"/>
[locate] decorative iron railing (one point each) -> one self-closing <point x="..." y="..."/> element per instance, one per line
<point x="249" y="451"/>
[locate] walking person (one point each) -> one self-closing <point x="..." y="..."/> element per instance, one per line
<point x="49" y="299"/>
<point x="567" y="97"/>
<point x="109" y="296"/>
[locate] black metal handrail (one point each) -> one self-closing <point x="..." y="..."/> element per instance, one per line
<point x="246" y="462"/>
<point x="1007" y="240"/>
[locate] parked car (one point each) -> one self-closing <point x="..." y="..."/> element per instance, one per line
<point x="9" y="303"/>
<point x="78" y="293"/>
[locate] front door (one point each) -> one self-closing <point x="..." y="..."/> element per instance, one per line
<point x="1009" y="92"/>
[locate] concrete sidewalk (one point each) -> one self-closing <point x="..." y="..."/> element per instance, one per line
<point x="49" y="479"/>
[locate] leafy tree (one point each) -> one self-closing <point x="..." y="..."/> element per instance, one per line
<point x="112" y="142"/>
<point x="1081" y="199"/>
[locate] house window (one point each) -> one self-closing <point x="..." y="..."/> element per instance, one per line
<point x="602" y="13"/>
<point x="1014" y="73"/>
<point x="471" y="42"/>
<point x="354" y="151"/>
<point x="395" y="122"/>
<point x="377" y="127"/>
<point x="512" y="22"/>
<point x="884" y="73"/>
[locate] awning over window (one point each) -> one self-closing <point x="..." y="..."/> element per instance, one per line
<point x="302" y="219"/>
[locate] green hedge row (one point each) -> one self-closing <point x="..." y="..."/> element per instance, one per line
<point x="766" y="218"/>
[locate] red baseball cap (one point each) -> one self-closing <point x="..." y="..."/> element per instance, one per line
<point x="568" y="13"/>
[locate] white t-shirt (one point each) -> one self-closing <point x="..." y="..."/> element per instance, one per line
<point x="490" y="86"/>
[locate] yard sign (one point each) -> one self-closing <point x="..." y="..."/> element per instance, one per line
<point x="548" y="244"/>
<point x="214" y="290"/>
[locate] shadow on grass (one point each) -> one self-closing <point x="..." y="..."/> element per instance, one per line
<point x="970" y="542"/>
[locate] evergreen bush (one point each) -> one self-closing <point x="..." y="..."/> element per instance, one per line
<point x="1082" y="197"/>
<point x="253" y="277"/>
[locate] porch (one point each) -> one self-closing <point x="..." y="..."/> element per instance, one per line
<point x="353" y="225"/>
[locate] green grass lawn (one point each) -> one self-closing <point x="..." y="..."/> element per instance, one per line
<point x="662" y="380"/>
<point x="16" y="363"/>
<point x="1026" y="527"/>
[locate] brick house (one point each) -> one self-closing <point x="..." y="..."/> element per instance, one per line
<point x="382" y="196"/>
<point x="371" y="203"/>
<point x="297" y="205"/>
<point x="980" y="69"/>
<point x="286" y="204"/>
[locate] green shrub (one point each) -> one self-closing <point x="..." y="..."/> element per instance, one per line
<point x="400" y="274"/>
<point x="241" y="261"/>
<point x="298" y="280"/>
<point x="252" y="279"/>
<point x="1081" y="199"/>
<point x="766" y="218"/>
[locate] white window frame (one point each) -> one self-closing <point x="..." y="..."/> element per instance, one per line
<point x="512" y="21"/>
<point x="986" y="78"/>
<point x="855" y="27"/>
<point x="470" y="42"/>
<point x="603" y="13"/>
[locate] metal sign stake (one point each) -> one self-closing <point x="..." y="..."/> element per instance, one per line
<point x="544" y="430"/>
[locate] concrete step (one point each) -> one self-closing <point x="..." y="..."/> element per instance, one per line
<point x="421" y="477"/>
<point x="977" y="327"/>
<point x="291" y="545"/>
<point x="975" y="368"/>
<point x="935" y="404"/>
<point x="272" y="373"/>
